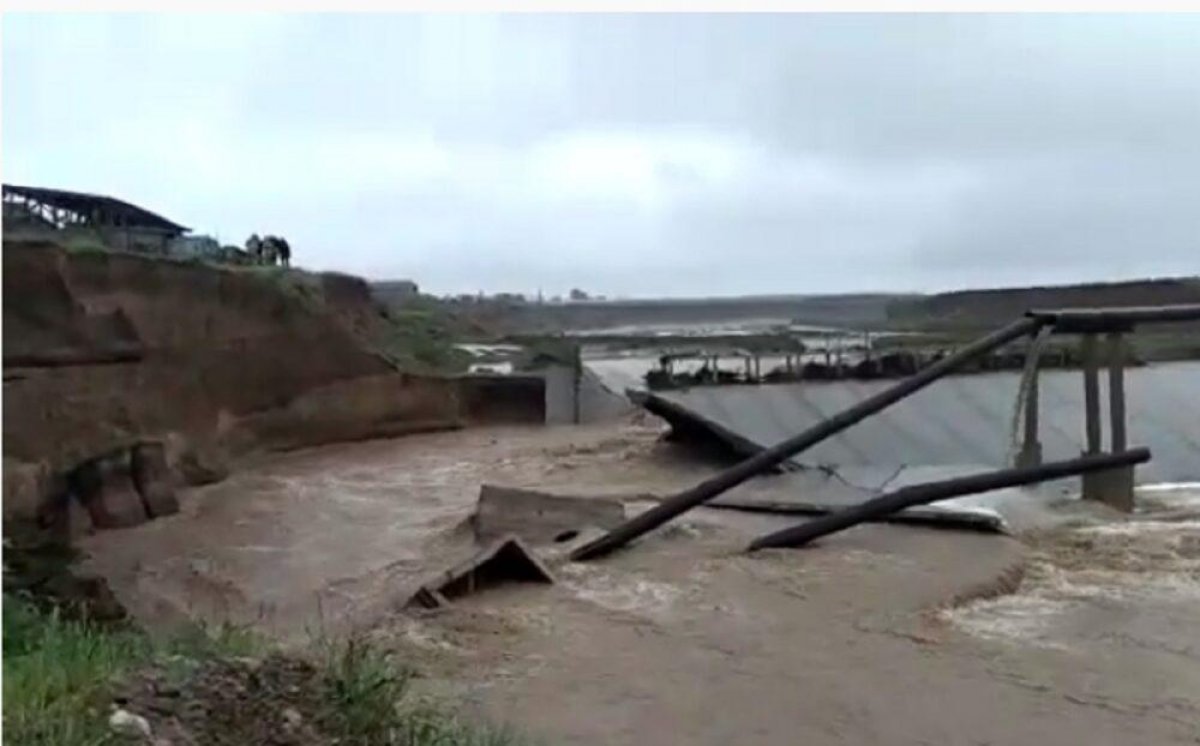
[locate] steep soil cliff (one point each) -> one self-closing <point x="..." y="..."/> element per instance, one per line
<point x="104" y="350"/>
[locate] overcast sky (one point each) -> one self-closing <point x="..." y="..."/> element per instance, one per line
<point x="635" y="155"/>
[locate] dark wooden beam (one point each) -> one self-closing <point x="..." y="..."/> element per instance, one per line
<point x="1094" y="320"/>
<point x="922" y="494"/>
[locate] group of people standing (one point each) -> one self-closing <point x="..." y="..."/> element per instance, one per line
<point x="269" y="250"/>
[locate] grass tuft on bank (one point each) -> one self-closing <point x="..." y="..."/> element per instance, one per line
<point x="56" y="672"/>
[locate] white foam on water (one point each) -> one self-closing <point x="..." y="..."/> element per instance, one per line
<point x="1172" y="487"/>
<point x="1116" y="585"/>
<point x="1170" y="496"/>
<point x="1094" y="580"/>
<point x="1013" y="618"/>
<point x="1132" y="528"/>
<point x="427" y="637"/>
<point x="629" y="594"/>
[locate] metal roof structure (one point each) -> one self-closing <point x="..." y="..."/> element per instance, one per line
<point x="94" y="208"/>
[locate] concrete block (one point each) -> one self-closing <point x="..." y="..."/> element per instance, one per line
<point x="152" y="478"/>
<point x="66" y="519"/>
<point x="25" y="487"/>
<point x="195" y="464"/>
<point x="540" y="518"/>
<point x="105" y="487"/>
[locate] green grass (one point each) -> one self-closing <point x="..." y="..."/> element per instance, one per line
<point x="56" y="672"/>
<point x="371" y="702"/>
<point x="420" y="340"/>
<point x="415" y="337"/>
<point x="59" y="675"/>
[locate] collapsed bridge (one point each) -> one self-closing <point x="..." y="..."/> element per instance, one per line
<point x="1108" y="481"/>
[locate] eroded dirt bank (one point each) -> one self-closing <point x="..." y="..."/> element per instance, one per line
<point x="680" y="639"/>
<point x="103" y="350"/>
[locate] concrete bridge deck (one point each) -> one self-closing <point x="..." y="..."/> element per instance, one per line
<point x="958" y="421"/>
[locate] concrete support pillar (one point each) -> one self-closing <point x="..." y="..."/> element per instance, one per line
<point x="1091" y="394"/>
<point x="1116" y="390"/>
<point x="576" y="386"/>
<point x="1115" y="486"/>
<point x="1031" y="447"/>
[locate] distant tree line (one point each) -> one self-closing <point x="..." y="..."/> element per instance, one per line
<point x="574" y="296"/>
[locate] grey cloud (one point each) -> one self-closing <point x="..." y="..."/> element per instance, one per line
<point x="641" y="154"/>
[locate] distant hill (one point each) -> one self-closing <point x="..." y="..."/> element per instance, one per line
<point x="996" y="306"/>
<point x="963" y="309"/>
<point x="510" y="315"/>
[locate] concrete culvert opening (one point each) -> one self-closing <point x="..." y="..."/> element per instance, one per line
<point x="509" y="564"/>
<point x="505" y="561"/>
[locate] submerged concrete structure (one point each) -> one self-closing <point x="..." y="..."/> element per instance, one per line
<point x="1037" y="324"/>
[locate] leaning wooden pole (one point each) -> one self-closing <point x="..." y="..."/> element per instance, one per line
<point x="776" y="454"/>
<point x="921" y="494"/>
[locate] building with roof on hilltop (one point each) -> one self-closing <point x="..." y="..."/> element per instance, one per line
<point x="116" y="224"/>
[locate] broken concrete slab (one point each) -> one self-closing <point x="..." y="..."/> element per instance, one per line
<point x="25" y="487"/>
<point x="64" y="517"/>
<point x="822" y="491"/>
<point x="152" y="477"/>
<point x="539" y="517"/>
<point x="1113" y="488"/>
<point x="193" y="463"/>
<point x="105" y="487"/>
<point x="505" y="560"/>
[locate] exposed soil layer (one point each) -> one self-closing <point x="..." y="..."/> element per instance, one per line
<point x="110" y="349"/>
<point x="39" y="568"/>
<point x="277" y="701"/>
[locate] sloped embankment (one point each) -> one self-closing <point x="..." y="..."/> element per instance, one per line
<point x="103" y="351"/>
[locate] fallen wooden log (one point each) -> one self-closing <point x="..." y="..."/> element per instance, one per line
<point x="921" y="494"/>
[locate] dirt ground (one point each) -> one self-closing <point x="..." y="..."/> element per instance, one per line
<point x="272" y="702"/>
<point x="883" y="634"/>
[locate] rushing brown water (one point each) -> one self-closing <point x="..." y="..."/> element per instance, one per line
<point x="871" y="636"/>
<point x="329" y="536"/>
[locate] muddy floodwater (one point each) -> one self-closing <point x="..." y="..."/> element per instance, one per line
<point x="317" y="537"/>
<point x="1078" y="633"/>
